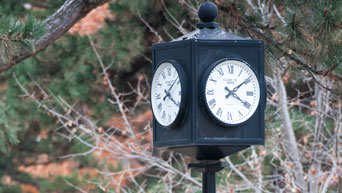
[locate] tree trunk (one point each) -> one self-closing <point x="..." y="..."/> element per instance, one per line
<point x="290" y="142"/>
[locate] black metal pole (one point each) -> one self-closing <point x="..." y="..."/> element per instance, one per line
<point x="209" y="182"/>
<point x="208" y="169"/>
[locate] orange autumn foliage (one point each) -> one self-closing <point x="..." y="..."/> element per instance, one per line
<point x="29" y="189"/>
<point x="63" y="168"/>
<point x="91" y="23"/>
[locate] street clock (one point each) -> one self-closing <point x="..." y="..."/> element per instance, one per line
<point x="208" y="91"/>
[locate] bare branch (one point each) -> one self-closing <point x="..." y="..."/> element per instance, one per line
<point x="160" y="39"/>
<point x="290" y="142"/>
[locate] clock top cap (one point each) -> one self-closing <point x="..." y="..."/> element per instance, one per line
<point x="208" y="29"/>
<point x="207" y="12"/>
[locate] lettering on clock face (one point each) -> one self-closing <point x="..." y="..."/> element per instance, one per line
<point x="232" y="92"/>
<point x="166" y="93"/>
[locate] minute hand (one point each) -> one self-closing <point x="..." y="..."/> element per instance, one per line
<point x="173" y="84"/>
<point x="244" y="82"/>
<point x="167" y="92"/>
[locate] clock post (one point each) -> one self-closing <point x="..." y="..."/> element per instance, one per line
<point x="208" y="95"/>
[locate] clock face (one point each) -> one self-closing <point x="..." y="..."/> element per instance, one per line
<point x="166" y="93"/>
<point x="231" y="92"/>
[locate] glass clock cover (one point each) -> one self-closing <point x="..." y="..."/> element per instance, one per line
<point x="167" y="93"/>
<point x="231" y="91"/>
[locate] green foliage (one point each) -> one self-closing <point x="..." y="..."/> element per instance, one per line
<point x="8" y="131"/>
<point x="10" y="189"/>
<point x="327" y="16"/>
<point x="313" y="29"/>
<point x="126" y="47"/>
<point x="60" y="183"/>
<point x="122" y="6"/>
<point x="16" y="36"/>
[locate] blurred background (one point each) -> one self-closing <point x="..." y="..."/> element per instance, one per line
<point x="76" y="117"/>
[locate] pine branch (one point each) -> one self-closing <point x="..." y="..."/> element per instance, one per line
<point x="56" y="26"/>
<point x="16" y="36"/>
<point x="242" y="22"/>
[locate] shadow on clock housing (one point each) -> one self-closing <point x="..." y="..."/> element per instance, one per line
<point x="197" y="134"/>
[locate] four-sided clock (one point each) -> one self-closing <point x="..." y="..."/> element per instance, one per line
<point x="168" y="93"/>
<point x="208" y="92"/>
<point x="230" y="91"/>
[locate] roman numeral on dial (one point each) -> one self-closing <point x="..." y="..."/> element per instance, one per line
<point x="247" y="105"/>
<point x="211" y="79"/>
<point x="229" y="116"/>
<point x="159" y="107"/>
<point x="240" y="73"/>
<point x="230" y="69"/>
<point x="212" y="103"/>
<point x="210" y="92"/>
<point x="219" y="112"/>
<point x="220" y="71"/>
<point x="169" y="71"/>
<point x="249" y="93"/>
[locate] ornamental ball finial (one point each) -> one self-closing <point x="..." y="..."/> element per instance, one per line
<point x="207" y="12"/>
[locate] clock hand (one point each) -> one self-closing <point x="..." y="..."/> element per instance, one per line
<point x="177" y="104"/>
<point x="167" y="94"/>
<point x="238" y="98"/>
<point x="173" y="84"/>
<point x="229" y="92"/>
<point x="244" y="82"/>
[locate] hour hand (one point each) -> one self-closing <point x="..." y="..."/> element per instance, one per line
<point x="237" y="97"/>
<point x="177" y="104"/>
<point x="245" y="103"/>
<point x="244" y="82"/>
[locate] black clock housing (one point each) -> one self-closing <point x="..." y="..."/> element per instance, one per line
<point x="197" y="135"/>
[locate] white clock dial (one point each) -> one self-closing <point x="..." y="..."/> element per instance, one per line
<point x="232" y="92"/>
<point x="166" y="92"/>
